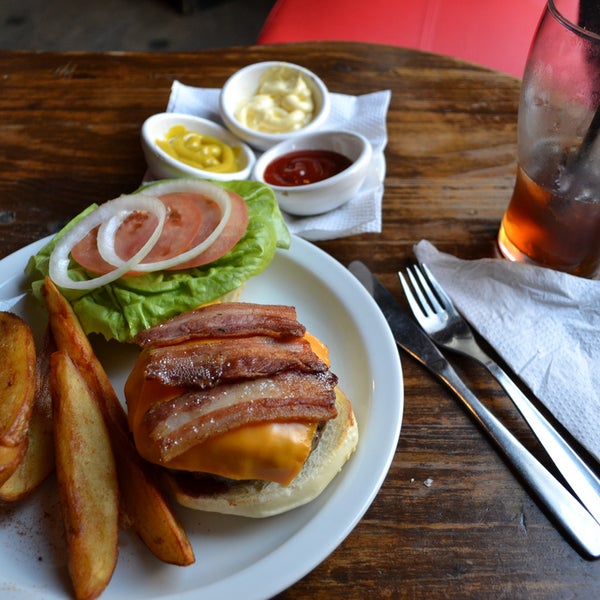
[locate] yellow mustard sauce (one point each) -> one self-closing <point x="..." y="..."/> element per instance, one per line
<point x="283" y="102"/>
<point x="200" y="151"/>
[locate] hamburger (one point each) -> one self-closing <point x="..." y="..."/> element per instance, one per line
<point x="237" y="402"/>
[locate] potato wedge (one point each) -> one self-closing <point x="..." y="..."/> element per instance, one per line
<point x="147" y="508"/>
<point x="149" y="511"/>
<point x="38" y="461"/>
<point x="10" y="459"/>
<point x="87" y="480"/>
<point x="17" y="378"/>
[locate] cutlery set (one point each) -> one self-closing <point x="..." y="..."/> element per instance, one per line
<point x="438" y="324"/>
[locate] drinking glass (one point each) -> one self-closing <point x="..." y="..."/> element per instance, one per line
<point x="553" y="218"/>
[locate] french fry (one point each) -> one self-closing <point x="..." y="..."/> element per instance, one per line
<point x="146" y="506"/>
<point x="87" y="480"/>
<point x="38" y="461"/>
<point x="17" y="378"/>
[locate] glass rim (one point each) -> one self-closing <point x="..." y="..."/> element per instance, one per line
<point x="577" y="29"/>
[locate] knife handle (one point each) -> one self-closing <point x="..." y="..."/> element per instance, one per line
<point x="574" y="519"/>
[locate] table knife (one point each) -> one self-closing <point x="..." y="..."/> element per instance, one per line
<point x="574" y="519"/>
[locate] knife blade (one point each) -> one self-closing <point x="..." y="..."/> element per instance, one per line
<point x="573" y="518"/>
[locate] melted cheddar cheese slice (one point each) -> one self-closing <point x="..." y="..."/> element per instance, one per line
<point x="271" y="451"/>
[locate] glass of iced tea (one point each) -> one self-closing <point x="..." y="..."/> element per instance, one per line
<point x="553" y="218"/>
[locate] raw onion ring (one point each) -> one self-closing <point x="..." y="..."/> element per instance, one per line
<point x="107" y="231"/>
<point x="59" y="258"/>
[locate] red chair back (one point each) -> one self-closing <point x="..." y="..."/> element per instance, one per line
<point x="492" y="33"/>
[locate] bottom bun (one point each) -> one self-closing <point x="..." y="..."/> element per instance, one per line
<point x="338" y="441"/>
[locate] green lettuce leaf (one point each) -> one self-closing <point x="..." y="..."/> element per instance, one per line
<point x="131" y="304"/>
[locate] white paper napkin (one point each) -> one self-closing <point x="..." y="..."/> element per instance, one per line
<point x="364" y="114"/>
<point x="544" y="324"/>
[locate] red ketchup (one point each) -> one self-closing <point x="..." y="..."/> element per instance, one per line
<point x="305" y="166"/>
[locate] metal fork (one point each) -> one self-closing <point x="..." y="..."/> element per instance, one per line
<point x="435" y="312"/>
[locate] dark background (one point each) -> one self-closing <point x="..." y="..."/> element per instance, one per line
<point x="130" y="25"/>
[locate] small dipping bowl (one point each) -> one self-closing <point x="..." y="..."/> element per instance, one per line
<point x="242" y="86"/>
<point x="327" y="194"/>
<point x="164" y="166"/>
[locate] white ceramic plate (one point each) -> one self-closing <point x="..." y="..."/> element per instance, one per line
<point x="235" y="557"/>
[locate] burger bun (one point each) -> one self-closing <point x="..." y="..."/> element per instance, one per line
<point x="257" y="499"/>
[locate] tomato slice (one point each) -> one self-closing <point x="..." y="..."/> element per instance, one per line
<point x="190" y="219"/>
<point x="232" y="234"/>
<point x="87" y="255"/>
<point x="184" y="218"/>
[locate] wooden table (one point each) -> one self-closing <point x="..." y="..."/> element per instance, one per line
<point x="69" y="135"/>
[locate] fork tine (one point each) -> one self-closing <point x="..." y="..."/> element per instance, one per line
<point x="411" y="298"/>
<point x="425" y="306"/>
<point x="428" y="308"/>
<point x="439" y="290"/>
<point x="426" y="287"/>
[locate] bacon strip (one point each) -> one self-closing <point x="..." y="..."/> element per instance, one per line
<point x="194" y="417"/>
<point x="229" y="319"/>
<point x="208" y="364"/>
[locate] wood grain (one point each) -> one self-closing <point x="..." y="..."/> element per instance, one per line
<point x="451" y="520"/>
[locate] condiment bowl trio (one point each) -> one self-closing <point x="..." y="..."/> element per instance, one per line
<point x="280" y="110"/>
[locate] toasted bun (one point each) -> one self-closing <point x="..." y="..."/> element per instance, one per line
<point x="264" y="499"/>
<point x="233" y="295"/>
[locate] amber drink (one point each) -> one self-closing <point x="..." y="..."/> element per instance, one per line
<point x="552" y="227"/>
<point x="553" y="218"/>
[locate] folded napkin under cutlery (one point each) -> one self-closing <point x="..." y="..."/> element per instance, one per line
<point x="544" y="324"/>
<point x="364" y="114"/>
